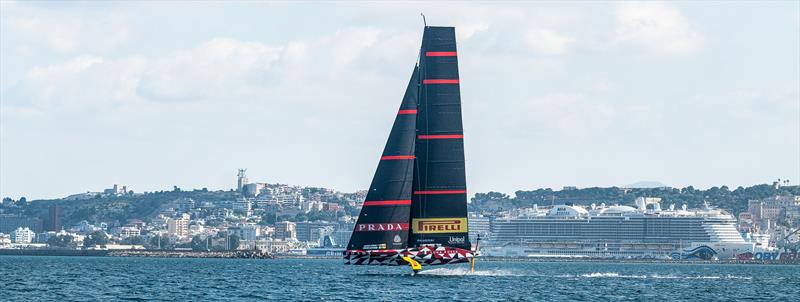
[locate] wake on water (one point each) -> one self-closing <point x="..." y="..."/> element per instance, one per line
<point x="465" y="272"/>
<point x="653" y="276"/>
<point x="462" y="271"/>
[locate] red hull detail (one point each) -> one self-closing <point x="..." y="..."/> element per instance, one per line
<point x="441" y="136"/>
<point x="396" y="157"/>
<point x="440" y="54"/>
<point x="440" y="81"/>
<point x="439" y="192"/>
<point x="387" y="202"/>
<point x="407" y="111"/>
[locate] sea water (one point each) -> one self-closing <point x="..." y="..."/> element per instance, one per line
<point x="25" y="278"/>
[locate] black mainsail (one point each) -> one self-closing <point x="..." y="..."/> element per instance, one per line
<point x="439" y="201"/>
<point x="416" y="208"/>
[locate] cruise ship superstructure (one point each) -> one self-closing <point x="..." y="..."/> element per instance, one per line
<point x="617" y="231"/>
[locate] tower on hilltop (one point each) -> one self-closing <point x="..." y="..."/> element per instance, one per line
<point x="241" y="179"/>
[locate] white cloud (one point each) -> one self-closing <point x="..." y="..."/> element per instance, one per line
<point x="225" y="70"/>
<point x="79" y="83"/>
<point x="467" y="30"/>
<point x="548" y="42"/>
<point x="218" y="68"/>
<point x="657" y="28"/>
<point x="68" y="34"/>
<point x="214" y="81"/>
<point x="571" y="113"/>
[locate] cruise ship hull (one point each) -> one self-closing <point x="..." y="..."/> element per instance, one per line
<point x="618" y="250"/>
<point x="623" y="232"/>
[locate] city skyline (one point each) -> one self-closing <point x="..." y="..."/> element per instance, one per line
<point x="160" y="94"/>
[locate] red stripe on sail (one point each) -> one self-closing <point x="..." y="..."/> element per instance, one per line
<point x="440" y="54"/>
<point x="396" y="157"/>
<point x="440" y="136"/>
<point x="381" y="227"/>
<point x="440" y="192"/>
<point x="407" y="111"/>
<point x="440" y="81"/>
<point x="387" y="202"/>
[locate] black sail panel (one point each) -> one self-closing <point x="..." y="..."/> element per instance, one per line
<point x="384" y="219"/>
<point x="439" y="199"/>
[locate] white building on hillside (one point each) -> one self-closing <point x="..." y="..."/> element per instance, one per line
<point x="23" y="235"/>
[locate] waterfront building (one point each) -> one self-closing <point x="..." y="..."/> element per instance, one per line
<point x="273" y="246"/>
<point x="343" y="233"/>
<point x="311" y="231"/>
<point x="54" y="215"/>
<point x="178" y="226"/>
<point x="248" y="231"/>
<point x="23" y="235"/>
<point x="285" y="230"/>
<point x="5" y="240"/>
<point x="85" y="227"/>
<point x="128" y="231"/>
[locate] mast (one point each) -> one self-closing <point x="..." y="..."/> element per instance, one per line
<point x="439" y="200"/>
<point x="384" y="219"/>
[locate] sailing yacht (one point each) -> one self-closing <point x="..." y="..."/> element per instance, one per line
<point x="415" y="212"/>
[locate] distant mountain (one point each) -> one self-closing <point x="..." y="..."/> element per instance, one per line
<point x="645" y="185"/>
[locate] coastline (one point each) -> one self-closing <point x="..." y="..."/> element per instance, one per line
<point x="139" y="253"/>
<point x="258" y="255"/>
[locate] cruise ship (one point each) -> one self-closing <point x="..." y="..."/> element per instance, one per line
<point x="617" y="231"/>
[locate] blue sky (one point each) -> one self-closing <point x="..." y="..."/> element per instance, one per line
<point x="153" y="95"/>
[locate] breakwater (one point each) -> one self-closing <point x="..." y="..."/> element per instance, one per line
<point x="192" y="254"/>
<point x="52" y="252"/>
<point x="139" y="253"/>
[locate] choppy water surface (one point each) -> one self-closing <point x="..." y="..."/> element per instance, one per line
<point x="88" y="279"/>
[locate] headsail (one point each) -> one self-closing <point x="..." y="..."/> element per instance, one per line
<point x="384" y="219"/>
<point x="439" y="199"/>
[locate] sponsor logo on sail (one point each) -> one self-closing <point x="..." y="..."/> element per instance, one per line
<point x="381" y="227"/>
<point x="457" y="240"/>
<point x="438" y="225"/>
<point x="381" y="246"/>
<point x="397" y="239"/>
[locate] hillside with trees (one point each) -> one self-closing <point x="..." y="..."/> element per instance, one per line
<point x="723" y="197"/>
